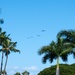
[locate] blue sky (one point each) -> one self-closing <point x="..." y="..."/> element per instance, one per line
<point x="24" y="20"/>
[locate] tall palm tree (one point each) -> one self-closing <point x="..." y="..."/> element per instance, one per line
<point x="8" y="47"/>
<point x="3" y="37"/>
<point x="53" y="51"/>
<point x="69" y="38"/>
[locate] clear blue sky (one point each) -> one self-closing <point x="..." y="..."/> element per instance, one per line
<point x="24" y="20"/>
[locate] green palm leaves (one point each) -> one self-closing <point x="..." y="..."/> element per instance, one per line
<point x="54" y="50"/>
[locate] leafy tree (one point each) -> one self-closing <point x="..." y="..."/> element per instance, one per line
<point x="65" y="69"/>
<point x="54" y="51"/>
<point x="25" y="73"/>
<point x="18" y="73"/>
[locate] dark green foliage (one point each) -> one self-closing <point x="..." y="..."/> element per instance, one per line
<point x="65" y="69"/>
<point x="18" y="73"/>
<point x="25" y="73"/>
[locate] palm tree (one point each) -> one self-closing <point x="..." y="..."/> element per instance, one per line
<point x="54" y="51"/>
<point x="8" y="47"/>
<point x="69" y="38"/>
<point x="3" y="37"/>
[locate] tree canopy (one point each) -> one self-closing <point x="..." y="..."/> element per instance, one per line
<point x="65" y="69"/>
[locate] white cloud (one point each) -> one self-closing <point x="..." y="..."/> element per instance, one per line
<point x="13" y="68"/>
<point x="16" y="67"/>
<point x="31" y="68"/>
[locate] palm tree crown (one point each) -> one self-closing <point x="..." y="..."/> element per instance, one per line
<point x="53" y="51"/>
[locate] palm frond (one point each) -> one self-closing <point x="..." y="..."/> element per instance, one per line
<point x="67" y="35"/>
<point x="68" y="50"/>
<point x="62" y="33"/>
<point x="49" y="52"/>
<point x="43" y="50"/>
<point x="64" y="57"/>
<point x="14" y="50"/>
<point x="45" y="58"/>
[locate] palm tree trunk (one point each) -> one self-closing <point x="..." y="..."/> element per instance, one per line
<point x="2" y="61"/>
<point x="6" y="63"/>
<point x="57" y="69"/>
